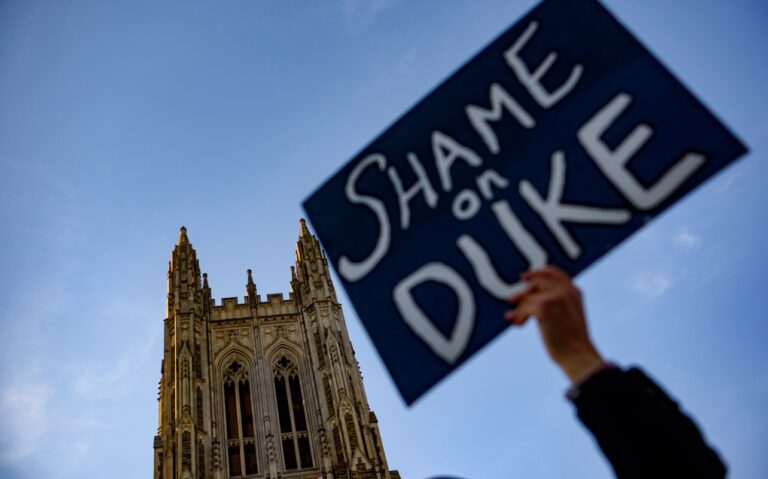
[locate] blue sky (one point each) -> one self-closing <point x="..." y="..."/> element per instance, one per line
<point x="121" y="121"/>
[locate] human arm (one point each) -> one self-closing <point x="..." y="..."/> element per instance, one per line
<point x="553" y="299"/>
<point x="640" y="429"/>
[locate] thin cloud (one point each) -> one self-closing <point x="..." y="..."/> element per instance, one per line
<point x="114" y="379"/>
<point x="652" y="286"/>
<point x="85" y="422"/>
<point x="120" y="378"/>
<point x="408" y="60"/>
<point x="24" y="417"/>
<point x="686" y="239"/>
<point x="726" y="183"/>
<point x="77" y="455"/>
<point x="365" y="11"/>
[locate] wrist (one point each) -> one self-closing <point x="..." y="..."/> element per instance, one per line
<point x="579" y="365"/>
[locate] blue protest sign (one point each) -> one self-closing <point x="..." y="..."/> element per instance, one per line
<point x="552" y="145"/>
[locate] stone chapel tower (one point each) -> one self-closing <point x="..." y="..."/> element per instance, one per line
<point x="266" y="388"/>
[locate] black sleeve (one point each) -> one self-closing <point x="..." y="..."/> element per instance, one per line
<point x="641" y="430"/>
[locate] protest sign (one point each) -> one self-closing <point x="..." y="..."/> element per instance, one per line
<point x="551" y="146"/>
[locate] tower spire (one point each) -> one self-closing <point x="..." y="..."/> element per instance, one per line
<point x="206" y="295"/>
<point x="184" y="282"/>
<point x="312" y="275"/>
<point x="183" y="236"/>
<point x="303" y="230"/>
<point x="250" y="288"/>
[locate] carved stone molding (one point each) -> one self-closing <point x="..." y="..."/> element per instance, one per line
<point x="222" y="338"/>
<point x="273" y="333"/>
<point x="216" y="455"/>
<point x="324" y="316"/>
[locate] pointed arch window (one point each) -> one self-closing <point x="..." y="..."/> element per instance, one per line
<point x="238" y="409"/>
<point x="294" y="435"/>
<point x="200" y="459"/>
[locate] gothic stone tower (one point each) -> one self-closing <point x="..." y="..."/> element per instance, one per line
<point x="266" y="388"/>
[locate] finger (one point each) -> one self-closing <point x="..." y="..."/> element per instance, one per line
<point x="512" y="316"/>
<point x="549" y="272"/>
<point x="526" y="291"/>
<point x="520" y="315"/>
<point x="552" y="272"/>
<point x="535" y="285"/>
<point x="516" y="317"/>
<point x="541" y="284"/>
<point x="523" y="320"/>
<point x="517" y="297"/>
<point x="538" y="305"/>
